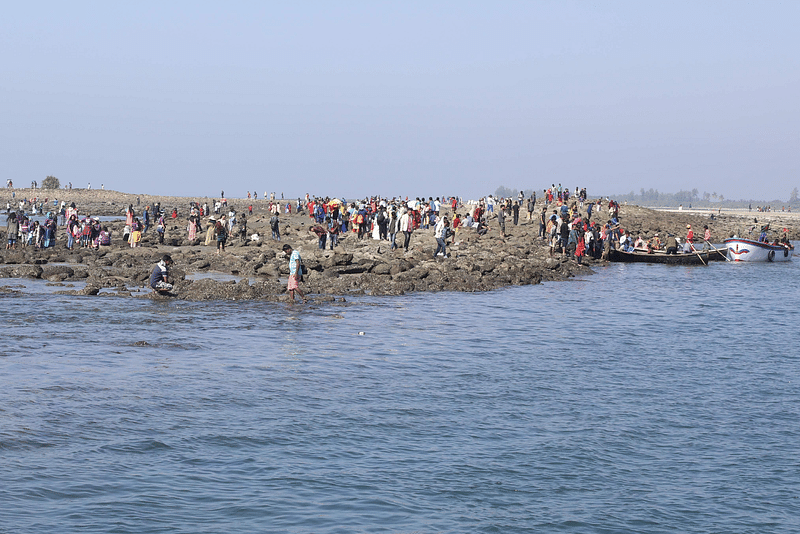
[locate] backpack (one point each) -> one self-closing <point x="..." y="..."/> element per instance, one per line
<point x="359" y="219"/>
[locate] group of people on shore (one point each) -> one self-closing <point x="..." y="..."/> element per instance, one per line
<point x="573" y="225"/>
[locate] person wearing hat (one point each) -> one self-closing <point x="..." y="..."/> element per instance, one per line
<point x="688" y="246"/>
<point x="440" y="234"/>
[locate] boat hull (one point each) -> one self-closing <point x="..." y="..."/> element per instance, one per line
<point x="756" y="251"/>
<point x="700" y="258"/>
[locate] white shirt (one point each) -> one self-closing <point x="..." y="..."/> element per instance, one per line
<point x="438" y="230"/>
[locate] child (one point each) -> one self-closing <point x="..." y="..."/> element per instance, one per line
<point x="136" y="237"/>
<point x="86" y="234"/>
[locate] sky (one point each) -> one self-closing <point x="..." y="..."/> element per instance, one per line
<point x="407" y="98"/>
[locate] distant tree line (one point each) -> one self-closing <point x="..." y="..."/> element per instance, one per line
<point x="656" y="199"/>
<point x="506" y="192"/>
<point x="51" y="182"/>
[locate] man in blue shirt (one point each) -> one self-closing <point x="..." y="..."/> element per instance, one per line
<point x="295" y="271"/>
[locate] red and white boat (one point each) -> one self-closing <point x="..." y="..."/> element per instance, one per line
<point x="749" y="250"/>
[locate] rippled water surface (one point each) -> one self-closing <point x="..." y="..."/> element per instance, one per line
<point x="641" y="399"/>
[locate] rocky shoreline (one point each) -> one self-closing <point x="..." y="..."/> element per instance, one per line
<point x="355" y="267"/>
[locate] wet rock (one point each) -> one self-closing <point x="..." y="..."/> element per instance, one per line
<point x="89" y="290"/>
<point x="49" y="271"/>
<point x="8" y="290"/>
<point x="24" y="271"/>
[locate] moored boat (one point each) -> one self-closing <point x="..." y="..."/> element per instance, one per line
<point x="749" y="250"/>
<point x="692" y="258"/>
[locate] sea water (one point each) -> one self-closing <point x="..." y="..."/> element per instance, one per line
<point x="643" y="398"/>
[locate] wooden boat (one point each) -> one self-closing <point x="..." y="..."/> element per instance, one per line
<point x="748" y="250"/>
<point x="720" y="254"/>
<point x="694" y="258"/>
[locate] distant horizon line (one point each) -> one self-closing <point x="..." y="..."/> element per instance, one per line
<point x="626" y="196"/>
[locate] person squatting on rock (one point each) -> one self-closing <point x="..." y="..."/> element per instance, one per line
<point x="159" y="279"/>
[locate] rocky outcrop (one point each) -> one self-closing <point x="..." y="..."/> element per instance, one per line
<point x="259" y="269"/>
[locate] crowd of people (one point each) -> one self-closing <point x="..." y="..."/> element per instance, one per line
<point x="393" y="220"/>
<point x="568" y="221"/>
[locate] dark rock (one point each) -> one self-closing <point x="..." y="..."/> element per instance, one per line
<point x="382" y="268"/>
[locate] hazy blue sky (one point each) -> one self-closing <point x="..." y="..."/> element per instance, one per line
<point x="402" y="98"/>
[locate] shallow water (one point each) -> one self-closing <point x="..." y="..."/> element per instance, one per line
<point x="645" y="398"/>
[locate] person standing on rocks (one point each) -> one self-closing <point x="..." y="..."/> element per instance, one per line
<point x="221" y="233"/>
<point x="12" y="229"/>
<point x="243" y="229"/>
<point x="406" y="225"/>
<point x="275" y="226"/>
<point x="564" y="229"/>
<point x="212" y="224"/>
<point x="440" y="234"/>
<point x="383" y="223"/>
<point x="501" y="220"/>
<point x="361" y="221"/>
<point x="146" y="219"/>
<point x="192" y="227"/>
<point x="161" y="228"/>
<point x="333" y="231"/>
<point x="295" y="271"/>
<point x="394" y="223"/>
